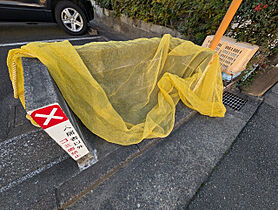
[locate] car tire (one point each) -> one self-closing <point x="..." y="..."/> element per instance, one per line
<point x="71" y="18"/>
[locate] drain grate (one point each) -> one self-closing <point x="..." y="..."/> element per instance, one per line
<point x="233" y="101"/>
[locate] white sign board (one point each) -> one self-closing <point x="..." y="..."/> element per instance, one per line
<point x="56" y="124"/>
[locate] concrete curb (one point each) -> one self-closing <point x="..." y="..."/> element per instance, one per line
<point x="133" y="27"/>
<point x="166" y="174"/>
<point x="111" y="164"/>
<point x="46" y="105"/>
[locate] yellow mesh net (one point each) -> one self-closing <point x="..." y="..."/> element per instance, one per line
<point x="127" y="91"/>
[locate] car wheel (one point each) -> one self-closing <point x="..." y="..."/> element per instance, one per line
<point x="71" y="18"/>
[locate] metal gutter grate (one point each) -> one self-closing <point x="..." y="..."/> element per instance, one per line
<point x="233" y="101"/>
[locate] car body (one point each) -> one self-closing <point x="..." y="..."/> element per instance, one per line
<point x="47" y="11"/>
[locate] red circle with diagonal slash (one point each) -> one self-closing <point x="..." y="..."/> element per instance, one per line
<point x="49" y="116"/>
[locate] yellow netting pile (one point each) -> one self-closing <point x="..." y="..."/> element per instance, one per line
<point x="126" y="91"/>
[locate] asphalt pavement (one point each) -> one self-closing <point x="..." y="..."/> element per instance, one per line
<point x="247" y="176"/>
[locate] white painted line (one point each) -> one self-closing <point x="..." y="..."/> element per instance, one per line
<point x="17" y="138"/>
<point x="106" y="39"/>
<point x="52" y="40"/>
<point x="33" y="173"/>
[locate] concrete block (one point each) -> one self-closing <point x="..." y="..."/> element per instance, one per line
<point x="168" y="174"/>
<point x="45" y="104"/>
<point x="94" y="175"/>
<point x="274" y="89"/>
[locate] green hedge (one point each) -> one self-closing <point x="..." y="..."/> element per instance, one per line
<point x="256" y="19"/>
